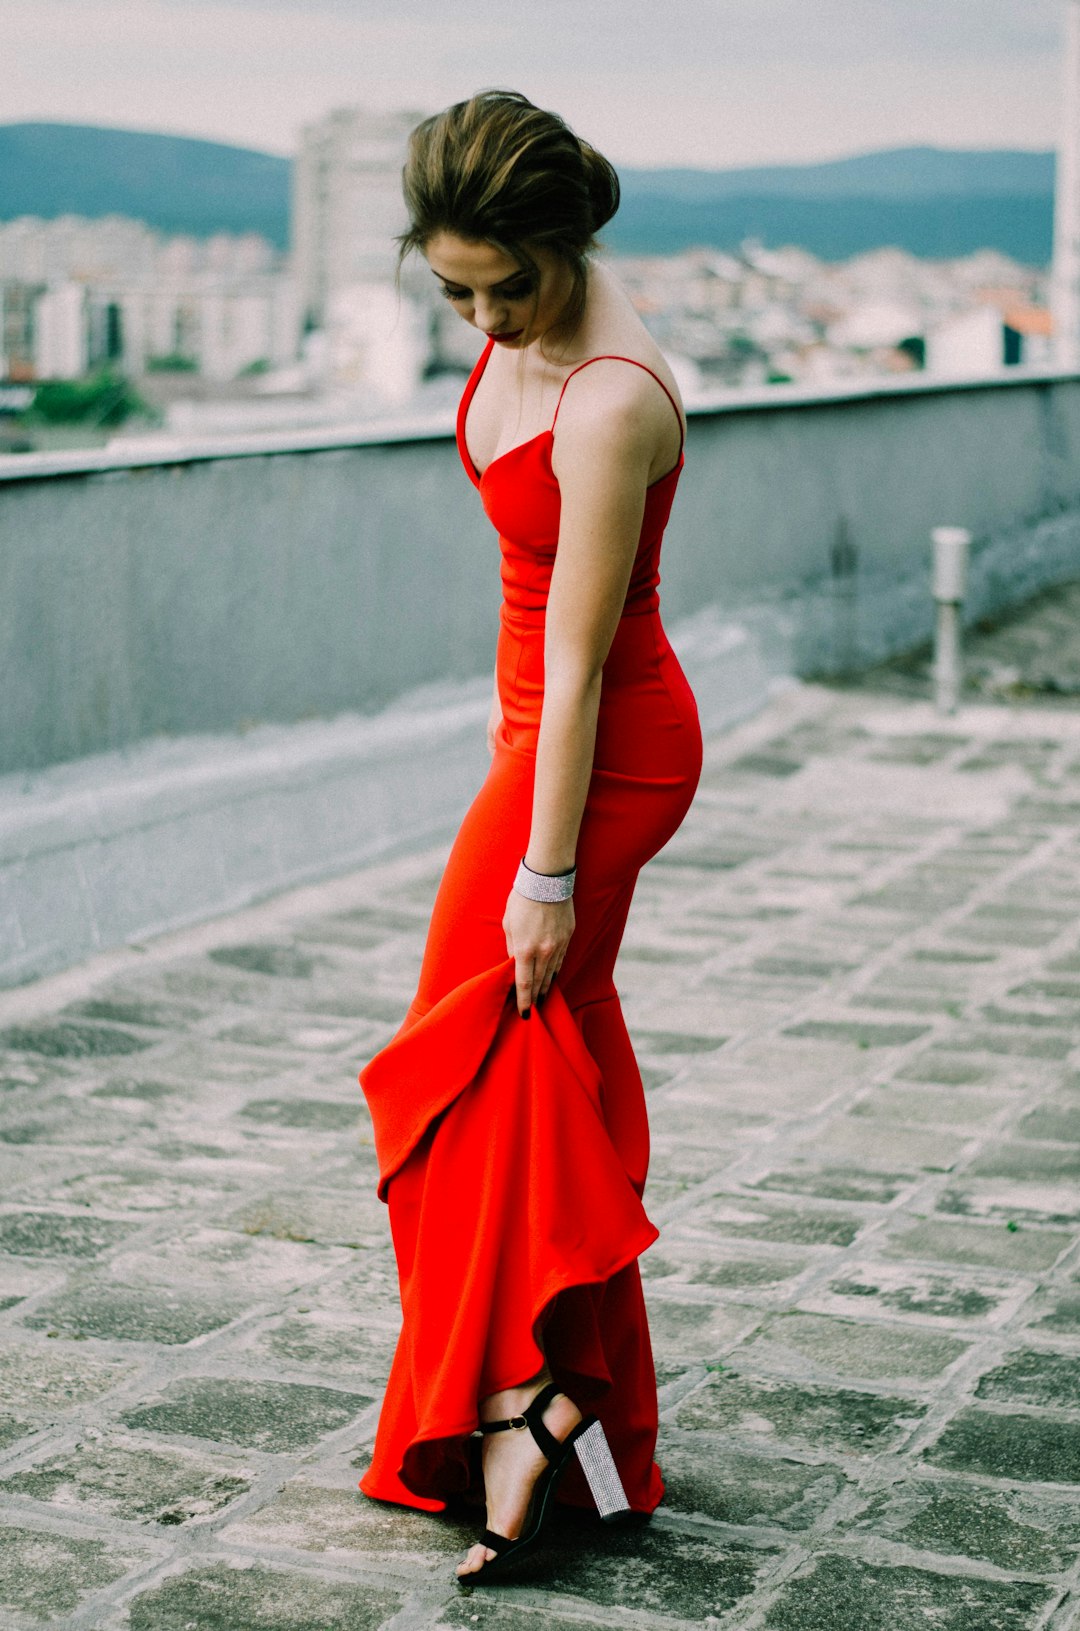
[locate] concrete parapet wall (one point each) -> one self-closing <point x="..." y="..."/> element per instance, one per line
<point x="237" y="668"/>
<point x="276" y="579"/>
<point x="222" y="593"/>
<point x="117" y="847"/>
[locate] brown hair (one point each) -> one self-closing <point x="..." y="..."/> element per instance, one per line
<point x="497" y="169"/>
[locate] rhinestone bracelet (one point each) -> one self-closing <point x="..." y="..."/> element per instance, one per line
<point x="547" y="887"/>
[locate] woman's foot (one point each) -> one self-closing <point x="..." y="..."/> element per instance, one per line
<point x="513" y="1462"/>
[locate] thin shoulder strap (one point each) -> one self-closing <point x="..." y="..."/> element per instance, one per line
<point x="612" y="358"/>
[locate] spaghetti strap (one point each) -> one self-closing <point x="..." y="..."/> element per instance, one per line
<point x="610" y="357"/>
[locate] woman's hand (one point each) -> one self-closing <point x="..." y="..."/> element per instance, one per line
<point x="537" y="935"/>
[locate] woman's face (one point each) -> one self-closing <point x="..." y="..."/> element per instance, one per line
<point x="491" y="291"/>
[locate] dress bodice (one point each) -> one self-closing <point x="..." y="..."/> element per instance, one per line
<point x="521" y="496"/>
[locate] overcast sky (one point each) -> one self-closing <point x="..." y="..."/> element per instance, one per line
<point x="695" y="82"/>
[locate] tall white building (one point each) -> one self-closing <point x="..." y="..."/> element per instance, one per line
<point x="61" y="337"/>
<point x="347" y="205"/>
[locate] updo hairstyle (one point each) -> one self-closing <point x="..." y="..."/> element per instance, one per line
<point x="497" y="169"/>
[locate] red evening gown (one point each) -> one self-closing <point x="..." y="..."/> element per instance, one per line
<point x="512" y="1153"/>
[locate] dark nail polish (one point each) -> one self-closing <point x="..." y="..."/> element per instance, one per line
<point x="526" y="1013"/>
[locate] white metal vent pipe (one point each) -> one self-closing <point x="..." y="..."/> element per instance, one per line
<point x="951" y="545"/>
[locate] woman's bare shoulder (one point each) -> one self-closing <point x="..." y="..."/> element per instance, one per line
<point x="617" y="417"/>
<point x="625" y="399"/>
<point x="608" y="387"/>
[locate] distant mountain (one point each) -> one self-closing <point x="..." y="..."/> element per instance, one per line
<point x="174" y="183"/>
<point x="899" y="173"/>
<point x="935" y="228"/>
<point x="933" y="202"/>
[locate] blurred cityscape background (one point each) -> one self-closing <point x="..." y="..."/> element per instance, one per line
<point x="158" y="285"/>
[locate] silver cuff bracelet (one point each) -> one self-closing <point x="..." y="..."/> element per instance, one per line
<point x="545" y="887"/>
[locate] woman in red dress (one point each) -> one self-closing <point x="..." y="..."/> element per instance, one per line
<point x="508" y="1111"/>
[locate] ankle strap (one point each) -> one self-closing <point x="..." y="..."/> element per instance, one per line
<point x="532" y="1418"/>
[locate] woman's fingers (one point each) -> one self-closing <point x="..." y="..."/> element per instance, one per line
<point x="548" y="977"/>
<point x="533" y="977"/>
<point x="524" y="979"/>
<point x="537" y="935"/>
<point x="553" y="969"/>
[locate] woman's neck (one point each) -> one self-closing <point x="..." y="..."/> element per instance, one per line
<point x="555" y="352"/>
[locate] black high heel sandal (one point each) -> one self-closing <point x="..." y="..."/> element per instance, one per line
<point x="588" y="1442"/>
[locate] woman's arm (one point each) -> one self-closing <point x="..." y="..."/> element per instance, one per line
<point x="601" y="458"/>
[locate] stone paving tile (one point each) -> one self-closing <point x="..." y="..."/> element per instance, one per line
<point x="733" y="1487"/>
<point x="857" y="1023"/>
<point x="1054" y="1312"/>
<point x="331" y="1522"/>
<point x="314" y="1215"/>
<point x="802" y="1416"/>
<point x="994" y="1246"/>
<point x="841" y="1183"/>
<point x="1013" y="1529"/>
<point x="1036" y="1377"/>
<point x="1022" y="1044"/>
<point x="1025" y="1160"/>
<point x="132" y="1314"/>
<point x="945" y="1068"/>
<point x="1012" y="1445"/>
<point x="226" y="1260"/>
<point x="132" y="1479"/>
<point x="133" y="1185"/>
<point x="320" y="1342"/>
<point x="679" y="1575"/>
<point x="862" y="1034"/>
<point x="1055" y="1119"/>
<point x="69" y="1040"/>
<point x="512" y="1613"/>
<point x="792" y="1342"/>
<point x="932" y="1296"/>
<point x="62" y="1120"/>
<point x="268" y="1416"/>
<point x="51" y="1380"/>
<point x="843" y="1591"/>
<point x="958" y="1109"/>
<point x="686" y="1259"/>
<point x="751" y="1081"/>
<point x="910" y="1150"/>
<point x="737" y="1217"/>
<point x="224" y="1597"/>
<point x="684" y="1331"/>
<point x="55" y="1234"/>
<point x="45" y="1575"/>
<point x="14" y="1428"/>
<point x="20" y="1280"/>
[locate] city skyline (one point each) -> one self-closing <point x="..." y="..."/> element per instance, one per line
<point x="835" y="77"/>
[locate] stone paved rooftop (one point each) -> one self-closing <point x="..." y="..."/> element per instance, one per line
<point x="854" y="983"/>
